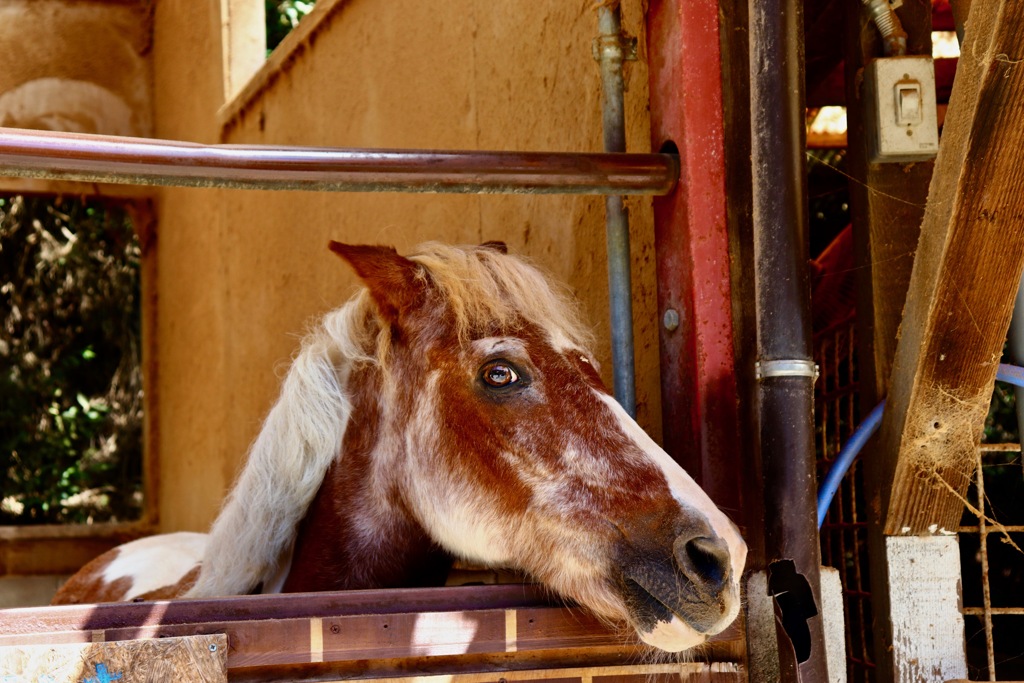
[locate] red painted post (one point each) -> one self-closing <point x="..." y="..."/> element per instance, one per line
<point x="699" y="394"/>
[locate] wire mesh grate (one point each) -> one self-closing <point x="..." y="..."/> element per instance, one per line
<point x="992" y="565"/>
<point x="844" y="532"/>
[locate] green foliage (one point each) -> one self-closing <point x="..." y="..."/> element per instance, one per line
<point x="1001" y="421"/>
<point x="70" y="379"/>
<point x="282" y="17"/>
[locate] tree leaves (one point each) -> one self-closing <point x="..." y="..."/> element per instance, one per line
<point x="70" y="349"/>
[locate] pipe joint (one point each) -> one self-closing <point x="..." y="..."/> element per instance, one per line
<point x="615" y="48"/>
<point x="766" y="369"/>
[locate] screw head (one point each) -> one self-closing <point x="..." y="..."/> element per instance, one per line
<point x="671" y="319"/>
<point x="213" y="647"/>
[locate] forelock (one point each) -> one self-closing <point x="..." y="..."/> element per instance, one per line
<point x="486" y="288"/>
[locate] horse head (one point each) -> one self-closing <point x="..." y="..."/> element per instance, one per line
<point x="507" y="449"/>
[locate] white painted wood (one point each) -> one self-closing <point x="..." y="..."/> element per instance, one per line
<point x="833" y="624"/>
<point x="762" y="641"/>
<point x="924" y="590"/>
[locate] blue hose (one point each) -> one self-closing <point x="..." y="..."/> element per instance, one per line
<point x="1011" y="374"/>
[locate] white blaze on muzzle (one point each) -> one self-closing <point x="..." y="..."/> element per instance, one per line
<point x="672" y="636"/>
<point x="676" y="635"/>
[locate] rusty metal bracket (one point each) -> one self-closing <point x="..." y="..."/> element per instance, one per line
<point x="622" y="46"/>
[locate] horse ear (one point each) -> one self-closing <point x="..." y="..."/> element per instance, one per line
<point x="496" y="245"/>
<point x="394" y="281"/>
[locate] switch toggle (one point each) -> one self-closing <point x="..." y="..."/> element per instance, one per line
<point x="900" y="112"/>
<point x="908" y="103"/>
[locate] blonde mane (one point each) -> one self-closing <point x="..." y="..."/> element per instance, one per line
<point x="252" y="538"/>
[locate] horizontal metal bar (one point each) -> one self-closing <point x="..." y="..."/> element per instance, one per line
<point x="1000" y="448"/>
<point x="143" y="161"/>
<point x="994" y="611"/>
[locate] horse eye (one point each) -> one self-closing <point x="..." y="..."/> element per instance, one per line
<point x="499" y="375"/>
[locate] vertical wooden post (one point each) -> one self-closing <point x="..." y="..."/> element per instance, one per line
<point x="960" y="296"/>
<point x="887" y="205"/>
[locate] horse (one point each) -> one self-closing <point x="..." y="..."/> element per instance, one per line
<point x="452" y="409"/>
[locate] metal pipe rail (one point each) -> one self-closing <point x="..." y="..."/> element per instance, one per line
<point x="143" y="161"/>
<point x="611" y="49"/>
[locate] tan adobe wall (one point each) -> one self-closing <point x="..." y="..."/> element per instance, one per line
<point x="241" y="273"/>
<point x="75" y="66"/>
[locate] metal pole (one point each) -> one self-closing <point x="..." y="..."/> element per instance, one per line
<point x="610" y="51"/>
<point x="141" y="161"/>
<point x="785" y="369"/>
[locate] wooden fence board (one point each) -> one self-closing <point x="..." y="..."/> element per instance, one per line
<point x="361" y="634"/>
<point x="194" y="658"/>
<point x="680" y="672"/>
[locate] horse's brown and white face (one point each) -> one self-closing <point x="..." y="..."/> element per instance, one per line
<point x="519" y="457"/>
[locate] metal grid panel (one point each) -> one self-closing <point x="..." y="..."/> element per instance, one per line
<point x="992" y="545"/>
<point x="844" y="533"/>
<point x="992" y="564"/>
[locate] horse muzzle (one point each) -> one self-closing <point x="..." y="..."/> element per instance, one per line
<point x="678" y="594"/>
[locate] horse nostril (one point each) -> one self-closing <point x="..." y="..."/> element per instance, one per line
<point x="704" y="560"/>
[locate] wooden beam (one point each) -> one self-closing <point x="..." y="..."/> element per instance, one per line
<point x="886" y="205"/>
<point x="61" y="549"/>
<point x="365" y="634"/>
<point x="190" y="658"/>
<point x="965" y="276"/>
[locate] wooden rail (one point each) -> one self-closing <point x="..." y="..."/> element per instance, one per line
<point x="364" y="634"/>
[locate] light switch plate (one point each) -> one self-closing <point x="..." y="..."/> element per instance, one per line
<point x="901" y="120"/>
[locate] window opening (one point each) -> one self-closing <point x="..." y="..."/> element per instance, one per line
<point x="71" y="396"/>
<point x="282" y="17"/>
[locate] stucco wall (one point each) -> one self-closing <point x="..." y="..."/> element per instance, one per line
<point x="75" y="66"/>
<point x="241" y="274"/>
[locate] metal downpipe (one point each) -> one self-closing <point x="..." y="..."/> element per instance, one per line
<point x="610" y="50"/>
<point x="785" y="365"/>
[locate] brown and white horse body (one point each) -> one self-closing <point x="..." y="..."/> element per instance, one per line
<point x="453" y="410"/>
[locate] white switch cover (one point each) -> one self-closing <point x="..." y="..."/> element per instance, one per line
<point x="901" y="115"/>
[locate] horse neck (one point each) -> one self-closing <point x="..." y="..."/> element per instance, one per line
<point x="358" y="532"/>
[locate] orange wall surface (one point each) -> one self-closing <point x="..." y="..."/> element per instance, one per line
<point x="241" y="274"/>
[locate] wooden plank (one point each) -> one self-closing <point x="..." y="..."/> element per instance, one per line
<point x="965" y="276"/>
<point x="288" y="606"/>
<point x="424" y="634"/>
<point x="61" y="549"/>
<point x="325" y="641"/>
<point x="540" y="629"/>
<point x="763" y="659"/>
<point x="196" y="658"/>
<point x="679" y="672"/>
<point x="833" y="624"/>
<point x="887" y="203"/>
<point x="886" y="206"/>
<point x="924" y="590"/>
<point x="353" y="638"/>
